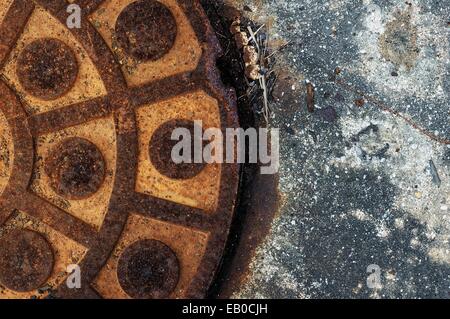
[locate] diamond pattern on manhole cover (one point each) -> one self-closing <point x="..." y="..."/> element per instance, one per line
<point x="85" y="172"/>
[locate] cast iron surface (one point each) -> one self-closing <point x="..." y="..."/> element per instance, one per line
<point x="84" y="177"/>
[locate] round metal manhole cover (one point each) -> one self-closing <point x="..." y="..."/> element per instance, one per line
<point x="87" y="188"/>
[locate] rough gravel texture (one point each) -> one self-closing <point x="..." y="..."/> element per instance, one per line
<point x="365" y="178"/>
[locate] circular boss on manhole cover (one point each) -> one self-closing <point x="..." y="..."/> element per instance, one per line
<point x="86" y="176"/>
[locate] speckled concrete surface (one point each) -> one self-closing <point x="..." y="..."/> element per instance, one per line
<point x="365" y="178"/>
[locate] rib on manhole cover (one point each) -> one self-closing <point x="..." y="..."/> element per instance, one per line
<point x="85" y="178"/>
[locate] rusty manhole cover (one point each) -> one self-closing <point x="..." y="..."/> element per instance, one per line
<point x="85" y="175"/>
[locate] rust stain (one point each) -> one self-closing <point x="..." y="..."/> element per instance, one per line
<point x="117" y="22"/>
<point x="6" y="152"/>
<point x="310" y="97"/>
<point x="81" y="81"/>
<point x="360" y="102"/>
<point x="199" y="190"/>
<point x="188" y="247"/>
<point x="260" y="203"/>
